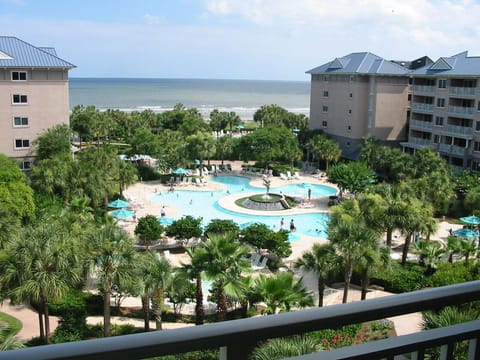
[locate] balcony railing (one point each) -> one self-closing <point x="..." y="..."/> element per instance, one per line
<point x="461" y="110"/>
<point x="453" y="149"/>
<point x="463" y="91"/>
<point x="235" y="338"/>
<point x="458" y="130"/>
<point x="422" y="106"/>
<point x="424" y="88"/>
<point x="419" y="124"/>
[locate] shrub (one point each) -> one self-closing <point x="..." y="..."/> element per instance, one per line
<point x="148" y="228"/>
<point x="72" y="310"/>
<point x="399" y="279"/>
<point x="222" y="226"/>
<point x="454" y="273"/>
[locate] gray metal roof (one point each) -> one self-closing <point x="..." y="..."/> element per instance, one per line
<point x="16" y="53"/>
<point x="360" y="63"/>
<point x="456" y="65"/>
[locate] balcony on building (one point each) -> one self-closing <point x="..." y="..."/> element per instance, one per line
<point x="461" y="107"/>
<point x="424" y="85"/>
<point x="421" y="121"/>
<point x="454" y="146"/>
<point x="458" y="127"/>
<point x="422" y="103"/>
<point x="462" y="87"/>
<point x="235" y="339"/>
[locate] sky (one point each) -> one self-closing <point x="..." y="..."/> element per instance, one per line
<point x="238" y="39"/>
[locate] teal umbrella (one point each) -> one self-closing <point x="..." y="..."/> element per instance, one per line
<point x="118" y="204"/>
<point x="471" y="220"/>
<point x="465" y="233"/>
<point x="165" y="221"/>
<point x="180" y="171"/>
<point x="296" y="130"/>
<point x="239" y="127"/>
<point x="121" y="214"/>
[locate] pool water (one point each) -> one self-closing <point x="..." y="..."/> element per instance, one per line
<point x="205" y="204"/>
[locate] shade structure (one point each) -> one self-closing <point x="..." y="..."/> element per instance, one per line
<point x="180" y="171"/>
<point x="466" y="233"/>
<point x="296" y="130"/>
<point x="472" y="220"/>
<point x="118" y="204"/>
<point x="165" y="221"/>
<point x="240" y="127"/>
<point x="248" y="224"/>
<point x="122" y="213"/>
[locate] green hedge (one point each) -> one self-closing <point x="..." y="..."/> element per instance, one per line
<point x="400" y="279"/>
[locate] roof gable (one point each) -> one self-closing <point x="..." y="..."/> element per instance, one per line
<point x="441" y="64"/>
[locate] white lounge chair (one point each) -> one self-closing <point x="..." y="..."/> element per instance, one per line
<point x="296" y="175"/>
<point x="283" y="176"/>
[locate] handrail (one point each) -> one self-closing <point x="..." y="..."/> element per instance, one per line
<point x="239" y="335"/>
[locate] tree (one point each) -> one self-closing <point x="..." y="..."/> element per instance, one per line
<point x="374" y="258"/>
<point x="224" y="261"/>
<point x="200" y="146"/>
<point x="268" y="115"/>
<point x="353" y="176"/>
<point x="322" y="261"/>
<point x="280" y="348"/>
<point x="148" y="229"/>
<point x="224" y="147"/>
<point x="185" y="228"/>
<point x="40" y="267"/>
<point x="53" y="141"/>
<point x="7" y="340"/>
<point x="261" y="237"/>
<point x="158" y="279"/>
<point x="429" y="252"/>
<point x="194" y="271"/>
<point x="112" y="256"/>
<point x="281" y="292"/>
<point x="222" y="226"/>
<point x="145" y="142"/>
<point x="323" y="148"/>
<point x="350" y="236"/>
<point x="82" y="122"/>
<point x="127" y="175"/>
<point x="454" y="247"/>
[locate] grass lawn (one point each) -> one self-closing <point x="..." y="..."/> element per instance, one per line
<point x="14" y="323"/>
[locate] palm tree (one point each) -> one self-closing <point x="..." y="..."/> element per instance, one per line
<point x="454" y="247"/>
<point x="224" y="261"/>
<point x="41" y="266"/>
<point x="194" y="271"/>
<point x="159" y="275"/>
<point x="112" y="255"/>
<point x="374" y="257"/>
<point x="430" y="253"/>
<point x="322" y="261"/>
<point x="469" y="247"/>
<point x="349" y="239"/>
<point x="7" y="340"/>
<point x="281" y="292"/>
<point x="281" y="348"/>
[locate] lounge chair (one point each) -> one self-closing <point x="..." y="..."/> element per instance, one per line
<point x="261" y="265"/>
<point x="283" y="176"/>
<point x="296" y="175"/>
<point x="198" y="182"/>
<point x="289" y="175"/>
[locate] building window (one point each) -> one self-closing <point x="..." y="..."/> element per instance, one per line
<point x="440" y="102"/>
<point x="442" y="83"/>
<point x="436" y="139"/>
<point x="349" y="111"/>
<point x="476" y="146"/>
<point x="348" y="143"/>
<point x="478" y="106"/>
<point x="19" y="99"/>
<point x="351" y="95"/>
<point x="325" y="77"/>
<point x="325" y="93"/>
<point x="439" y="120"/>
<point x="26" y="165"/>
<point x="22" y="144"/>
<point x="324" y="123"/>
<point x="325" y="108"/>
<point x="19" y="76"/>
<point x="349" y="127"/>
<point x="20" y="121"/>
<point x="477" y="126"/>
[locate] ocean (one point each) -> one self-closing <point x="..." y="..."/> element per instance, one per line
<point x="243" y="97"/>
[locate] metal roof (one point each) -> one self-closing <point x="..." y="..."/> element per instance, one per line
<point x="20" y="54"/>
<point x="360" y="63"/>
<point x="456" y="65"/>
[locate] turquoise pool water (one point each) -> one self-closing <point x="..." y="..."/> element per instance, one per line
<point x="205" y="204"/>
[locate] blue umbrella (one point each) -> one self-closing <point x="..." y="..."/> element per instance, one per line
<point x="472" y="220"/>
<point x="165" y="220"/>
<point x="180" y="171"/>
<point x="296" y="130"/>
<point x="240" y="127"/>
<point x="247" y="224"/>
<point x="120" y="214"/>
<point x="119" y="203"/>
<point x="465" y="233"/>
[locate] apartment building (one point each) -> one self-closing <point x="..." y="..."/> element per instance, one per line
<point x="445" y="110"/>
<point x="410" y="104"/>
<point x="33" y="96"/>
<point x="357" y="95"/>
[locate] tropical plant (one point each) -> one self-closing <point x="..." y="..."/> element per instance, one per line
<point x="429" y="252"/>
<point x="353" y="176"/>
<point x="224" y="262"/>
<point x="374" y="257"/>
<point x="185" y="228"/>
<point x="7" y="340"/>
<point x="148" y="229"/>
<point x="322" y="261"/>
<point x="281" y="348"/>
<point x="281" y="292"/>
<point x="221" y="226"/>
<point x="112" y="259"/>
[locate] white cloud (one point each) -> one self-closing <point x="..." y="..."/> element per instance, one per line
<point x="154" y="19"/>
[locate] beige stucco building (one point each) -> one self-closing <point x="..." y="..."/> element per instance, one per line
<point x="34" y="96"/>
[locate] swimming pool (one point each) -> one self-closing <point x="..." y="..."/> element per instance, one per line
<point x="205" y="204"/>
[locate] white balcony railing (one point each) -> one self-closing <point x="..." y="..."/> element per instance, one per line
<point x="422" y="106"/>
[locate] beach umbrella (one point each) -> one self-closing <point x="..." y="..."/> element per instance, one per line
<point x="296" y="130"/>
<point x="465" y="233"/>
<point x="122" y="213"/>
<point x="471" y="220"/>
<point x="117" y="204"/>
<point x="180" y="171"/>
<point x="247" y="224"/>
<point x="165" y="221"/>
<point x="239" y="127"/>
